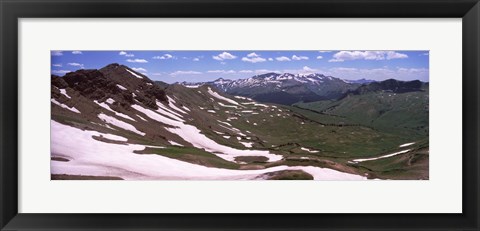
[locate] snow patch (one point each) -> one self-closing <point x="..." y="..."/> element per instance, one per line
<point x="405" y="145"/>
<point x="218" y="96"/>
<point x="309" y="150"/>
<point x="121" y="87"/>
<point x="65" y="106"/>
<point x="175" y="143"/>
<point x="113" y="137"/>
<point x="185" y="108"/>
<point x="110" y="101"/>
<point x="95" y="158"/>
<point x="224" y="105"/>
<point x="134" y="74"/>
<point x="64" y="92"/>
<point x="119" y="123"/>
<point x="247" y="144"/>
<point x="104" y="105"/>
<point x="381" y="157"/>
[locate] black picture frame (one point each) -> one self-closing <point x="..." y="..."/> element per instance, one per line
<point x="12" y="10"/>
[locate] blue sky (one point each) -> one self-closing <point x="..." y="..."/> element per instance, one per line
<point x="196" y="66"/>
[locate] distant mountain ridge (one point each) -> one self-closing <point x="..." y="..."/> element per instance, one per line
<point x="284" y="88"/>
<point x="290" y="88"/>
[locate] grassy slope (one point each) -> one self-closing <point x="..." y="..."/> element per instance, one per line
<point x="285" y="130"/>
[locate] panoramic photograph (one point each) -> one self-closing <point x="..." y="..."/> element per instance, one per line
<point x="338" y="115"/>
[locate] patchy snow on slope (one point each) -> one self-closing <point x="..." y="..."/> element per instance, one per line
<point x="64" y="92"/>
<point x="113" y="137"/>
<point x="142" y="118"/>
<point x="121" y="87"/>
<point x="134" y="74"/>
<point x="65" y="106"/>
<point x="309" y="150"/>
<point x="110" y="101"/>
<point x="170" y="99"/>
<point x="229" y="128"/>
<point x="104" y="105"/>
<point x="95" y="158"/>
<point x="174" y="107"/>
<point x="381" y="157"/>
<point x="119" y="123"/>
<point x="405" y="145"/>
<point x="219" y="133"/>
<point x="247" y="144"/>
<point x="168" y="110"/>
<point x="185" y="108"/>
<point x="226" y="137"/>
<point x="211" y="111"/>
<point x="194" y="136"/>
<point x="225" y="105"/>
<point x="192" y="86"/>
<point x="224" y="123"/>
<point x="218" y="96"/>
<point x="255" y="104"/>
<point x="175" y="143"/>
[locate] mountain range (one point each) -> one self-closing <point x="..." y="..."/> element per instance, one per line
<point x="115" y="123"/>
<point x="288" y="88"/>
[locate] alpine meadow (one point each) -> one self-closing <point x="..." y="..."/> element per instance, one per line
<point x="239" y="115"/>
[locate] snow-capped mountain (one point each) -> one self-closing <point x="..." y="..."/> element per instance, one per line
<point x="284" y="88"/>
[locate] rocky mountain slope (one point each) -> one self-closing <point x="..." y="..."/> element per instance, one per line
<point x="115" y="123"/>
<point x="284" y="88"/>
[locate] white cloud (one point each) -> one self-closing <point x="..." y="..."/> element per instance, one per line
<point x="253" y="58"/>
<point x="308" y="69"/>
<point x="294" y="57"/>
<point x="139" y="69"/>
<point x="125" y="54"/>
<point x="395" y="55"/>
<point x="56" y="53"/>
<point x="156" y="74"/>
<point x="57" y="64"/>
<point x="165" y="56"/>
<point x="245" y="71"/>
<point x="77" y="52"/>
<point x="324" y="51"/>
<point x="380" y="73"/>
<point x="270" y="59"/>
<point x="222" y="71"/>
<point x="76" y="65"/>
<point x="263" y="71"/>
<point x="196" y="59"/>
<point x="224" y="56"/>
<point x="60" y="71"/>
<point x="304" y="70"/>
<point x="282" y="58"/>
<point x="426" y="54"/>
<point x="366" y="55"/>
<point x="137" y="61"/>
<point x="185" y="73"/>
<point x="319" y="57"/>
